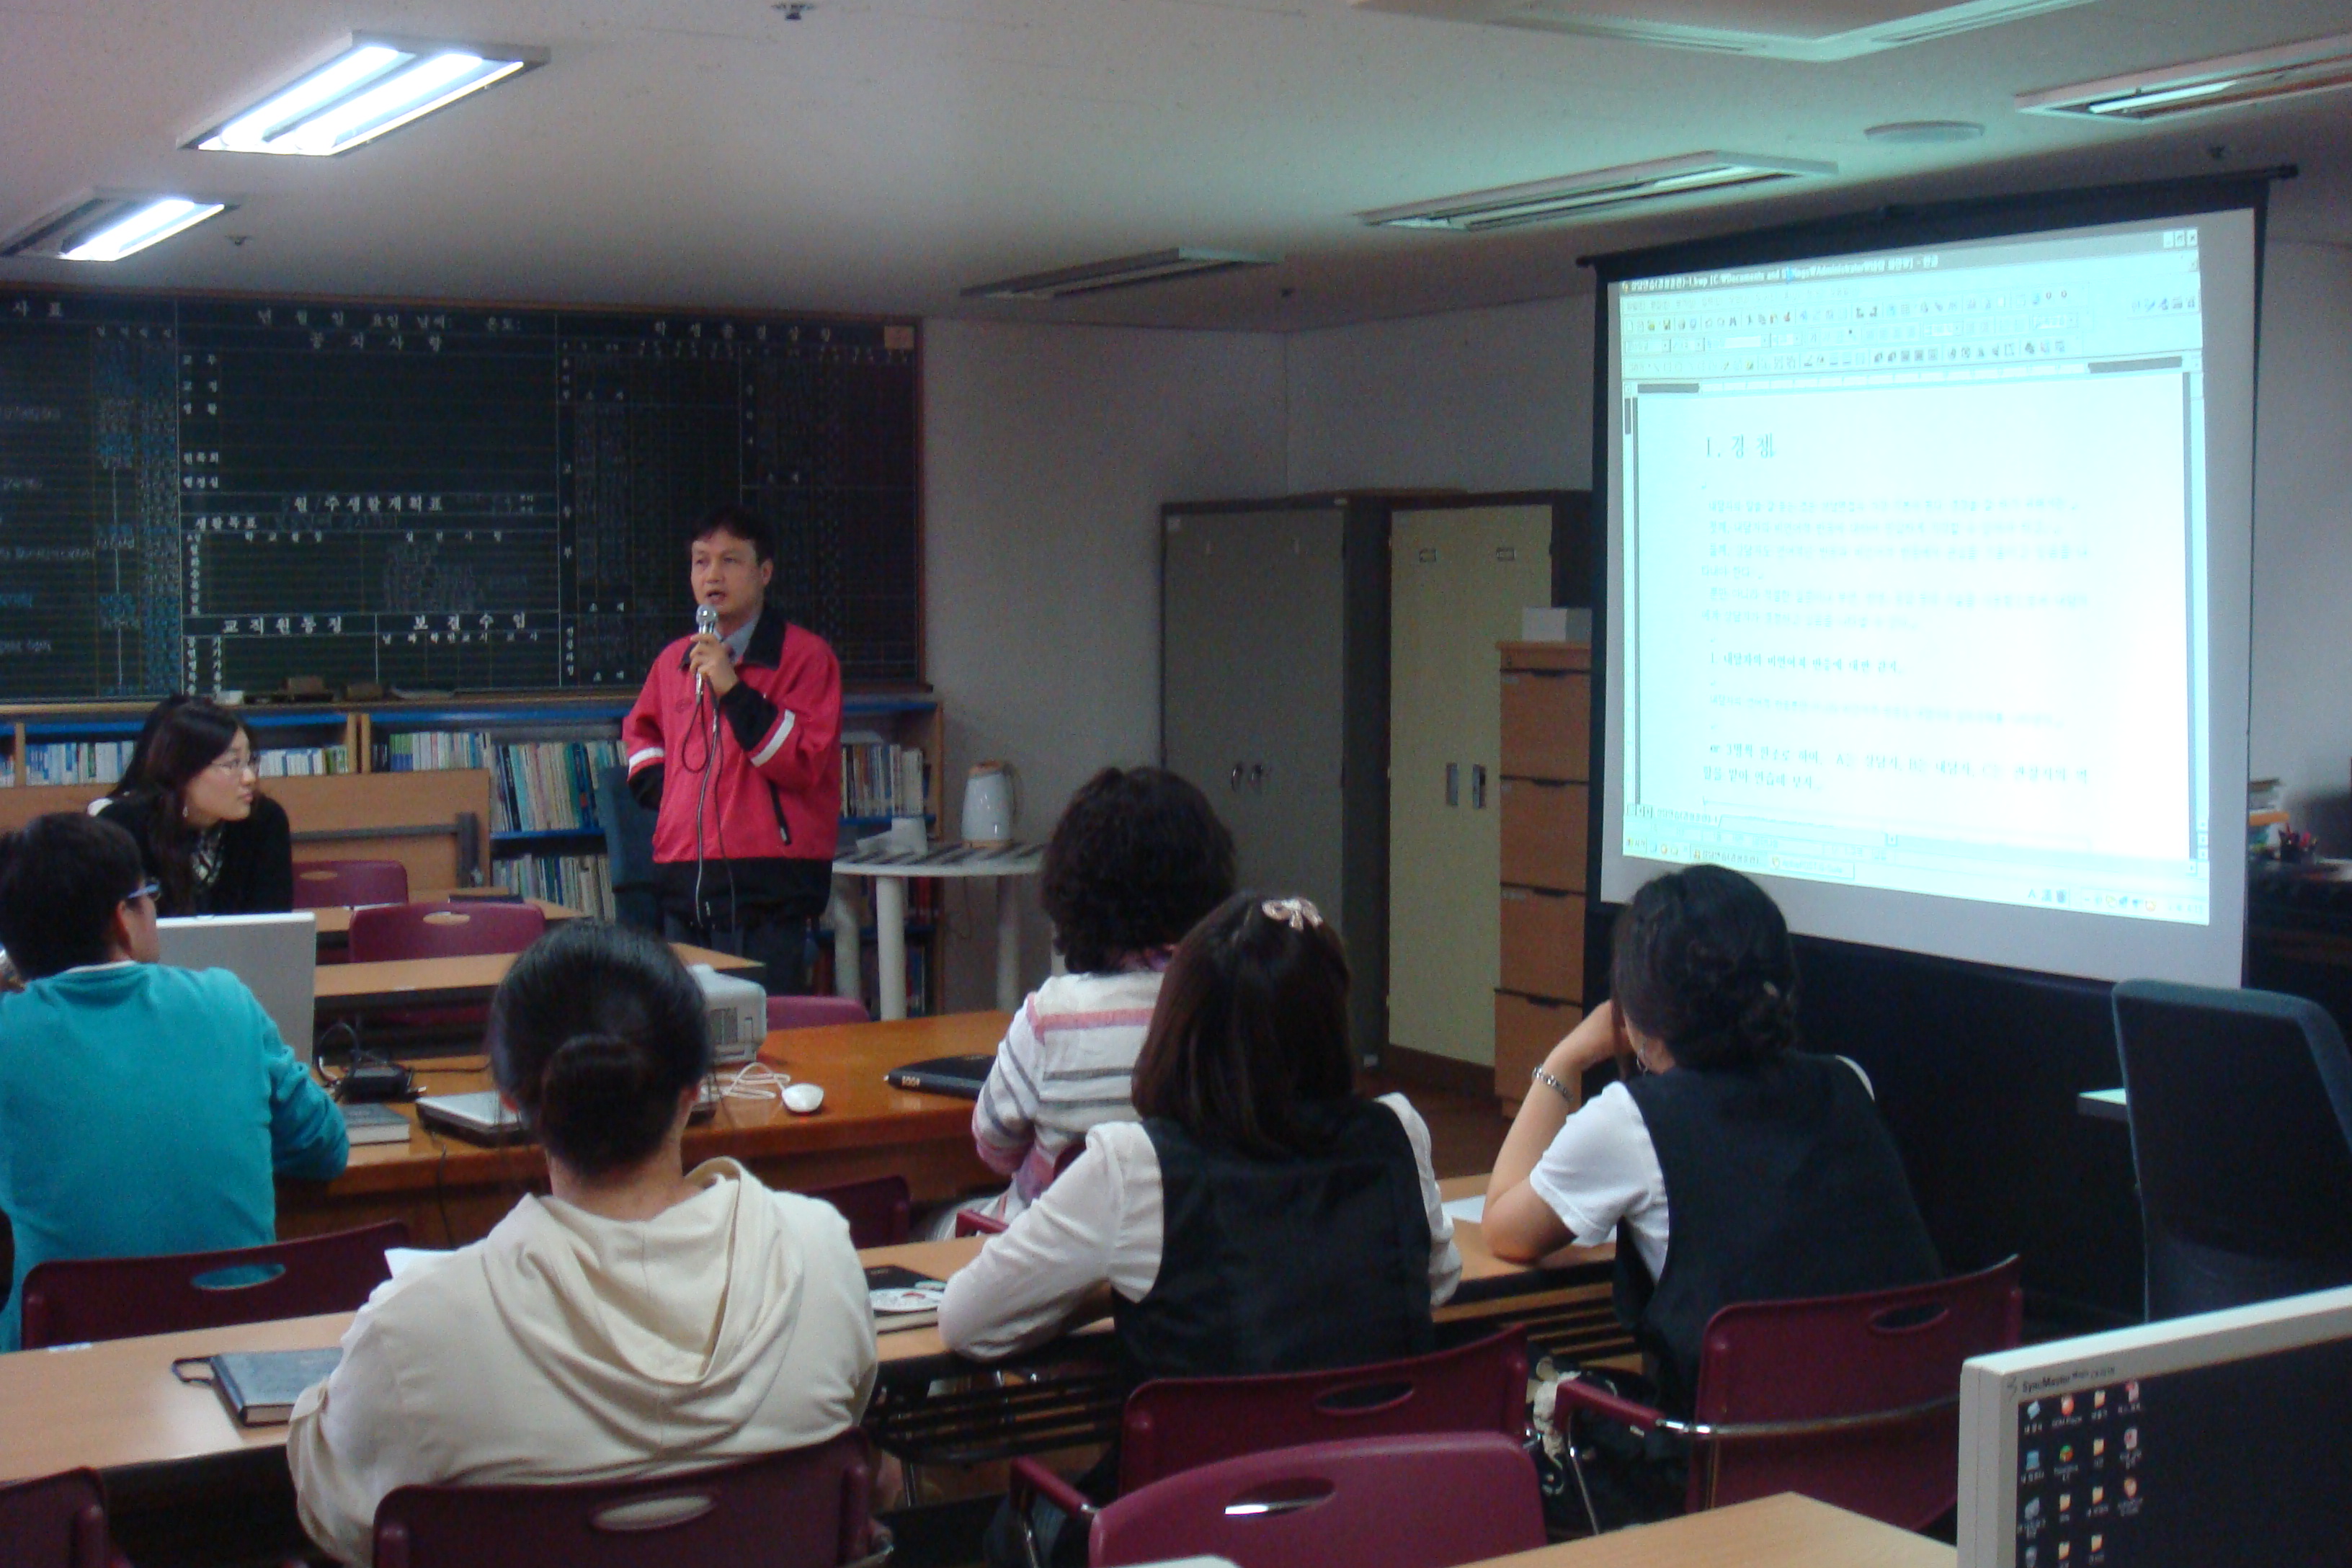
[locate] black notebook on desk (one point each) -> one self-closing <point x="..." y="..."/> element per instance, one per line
<point x="260" y="1387"/>
<point x="958" y="1076"/>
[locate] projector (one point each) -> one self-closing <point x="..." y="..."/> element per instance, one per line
<point x="735" y="1012"/>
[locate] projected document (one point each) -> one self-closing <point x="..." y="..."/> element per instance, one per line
<point x="1915" y="564"/>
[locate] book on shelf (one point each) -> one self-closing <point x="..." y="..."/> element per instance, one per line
<point x="538" y="786"/>
<point x="583" y="882"/>
<point x="302" y="762"/>
<point x="879" y="779"/>
<point x="102" y="761"/>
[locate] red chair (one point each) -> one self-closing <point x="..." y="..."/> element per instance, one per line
<point x="72" y="1301"/>
<point x="1851" y="1400"/>
<point x="814" y="1012"/>
<point x="57" y="1521"/>
<point x="972" y="1221"/>
<point x="455" y="930"/>
<point x="807" y="1507"/>
<point x="328" y="884"/>
<point x="1178" y="1424"/>
<point x="880" y="1212"/>
<point x="1427" y="1500"/>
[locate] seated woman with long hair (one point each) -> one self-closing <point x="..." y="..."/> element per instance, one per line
<point x="1261" y="1218"/>
<point x="640" y="1318"/>
<point x="1732" y="1166"/>
<point x="191" y="798"/>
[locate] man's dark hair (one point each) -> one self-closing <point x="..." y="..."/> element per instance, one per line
<point x="742" y="522"/>
<point x="62" y="876"/>
<point x="594" y="1032"/>
<point x="1250" y="1031"/>
<point x="1138" y="857"/>
<point x="1702" y="962"/>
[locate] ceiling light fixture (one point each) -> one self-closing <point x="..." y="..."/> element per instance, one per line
<point x="2197" y="87"/>
<point x="1543" y="201"/>
<point x="1119" y="272"/>
<point x="1810" y="30"/>
<point x="1925" y="133"/>
<point x="107" y="225"/>
<point x="372" y="84"/>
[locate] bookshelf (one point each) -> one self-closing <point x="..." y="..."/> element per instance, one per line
<point x="541" y="752"/>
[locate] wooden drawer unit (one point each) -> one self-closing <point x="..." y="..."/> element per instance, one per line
<point x="1543" y="834"/>
<point x="1543" y="943"/>
<point x="1526" y="1030"/>
<point x="1547" y="723"/>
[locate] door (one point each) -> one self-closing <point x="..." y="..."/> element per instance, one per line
<point x="1251" y="687"/>
<point x="1459" y="579"/>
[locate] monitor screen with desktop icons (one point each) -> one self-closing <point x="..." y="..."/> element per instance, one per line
<point x="2200" y="1441"/>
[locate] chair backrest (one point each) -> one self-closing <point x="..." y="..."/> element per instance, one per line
<point x="815" y="1011"/>
<point x="807" y="1507"/>
<point x="2240" y="1108"/>
<point x="68" y="1301"/>
<point x="1867" y="1386"/>
<point x="325" y="884"/>
<point x="1176" y="1424"/>
<point x="56" y="1521"/>
<point x="880" y="1212"/>
<point x="453" y="929"/>
<point x="1425" y="1501"/>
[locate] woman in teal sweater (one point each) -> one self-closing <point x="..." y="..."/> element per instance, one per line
<point x="142" y="1110"/>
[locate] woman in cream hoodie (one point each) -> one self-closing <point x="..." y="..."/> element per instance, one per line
<point x="642" y="1317"/>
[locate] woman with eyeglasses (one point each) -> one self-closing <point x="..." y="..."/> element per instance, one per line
<point x="142" y="1109"/>
<point x="192" y="800"/>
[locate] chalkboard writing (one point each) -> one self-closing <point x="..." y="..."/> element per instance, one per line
<point x="205" y="494"/>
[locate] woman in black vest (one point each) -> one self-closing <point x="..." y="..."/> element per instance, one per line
<point x="1260" y="1217"/>
<point x="212" y="840"/>
<point x="1779" y="1177"/>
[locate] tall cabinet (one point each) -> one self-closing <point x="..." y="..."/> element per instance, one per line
<point x="1273" y="694"/>
<point x="1546" y="712"/>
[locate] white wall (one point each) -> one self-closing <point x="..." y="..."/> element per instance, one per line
<point x="2302" y="717"/>
<point x="1496" y="399"/>
<point x="1047" y="451"/>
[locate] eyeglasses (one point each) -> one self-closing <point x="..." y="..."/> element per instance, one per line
<point x="144" y="890"/>
<point x="232" y="763"/>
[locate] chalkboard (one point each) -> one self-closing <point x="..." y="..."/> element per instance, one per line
<point x="208" y="493"/>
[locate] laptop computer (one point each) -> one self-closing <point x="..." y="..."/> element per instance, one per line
<point x="277" y="956"/>
<point x="484" y="1117"/>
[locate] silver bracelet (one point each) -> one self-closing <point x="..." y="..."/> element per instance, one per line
<point x="1553" y="1084"/>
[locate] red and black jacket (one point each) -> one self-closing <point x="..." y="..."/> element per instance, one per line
<point x="773" y="811"/>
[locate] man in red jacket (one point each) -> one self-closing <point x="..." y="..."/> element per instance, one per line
<point x="745" y="769"/>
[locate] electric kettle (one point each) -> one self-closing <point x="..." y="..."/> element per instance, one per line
<point x="988" y="804"/>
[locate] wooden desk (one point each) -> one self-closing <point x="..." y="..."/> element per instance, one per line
<point x="440" y="981"/>
<point x="1784" y="1532"/>
<point x="451" y="1191"/>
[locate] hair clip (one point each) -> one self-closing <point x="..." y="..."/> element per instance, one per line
<point x="1296" y="913"/>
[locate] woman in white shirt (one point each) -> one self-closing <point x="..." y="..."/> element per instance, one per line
<point x="642" y="1317"/>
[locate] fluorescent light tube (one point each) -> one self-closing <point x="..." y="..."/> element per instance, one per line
<point x="2199" y="87"/>
<point x="157" y="220"/>
<point x="1119" y="272"/>
<point x="250" y="131"/>
<point x="2153" y="99"/>
<point x="373" y="85"/>
<point x="1538" y="201"/>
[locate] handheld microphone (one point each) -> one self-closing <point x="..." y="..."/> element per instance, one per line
<point x="706" y="624"/>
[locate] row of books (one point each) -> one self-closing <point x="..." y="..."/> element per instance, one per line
<point x="548" y="785"/>
<point x="583" y="882"/>
<point x="102" y="761"/>
<point x="879" y="779"/>
<point x="539" y="786"/>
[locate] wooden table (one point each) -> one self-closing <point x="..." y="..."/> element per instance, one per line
<point x="451" y="1191"/>
<point x="1784" y="1532"/>
<point x="441" y="982"/>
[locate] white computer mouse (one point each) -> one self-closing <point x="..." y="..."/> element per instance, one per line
<point x="803" y="1097"/>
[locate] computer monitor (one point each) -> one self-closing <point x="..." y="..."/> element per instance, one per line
<point x="277" y="956"/>
<point x="2197" y="1441"/>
